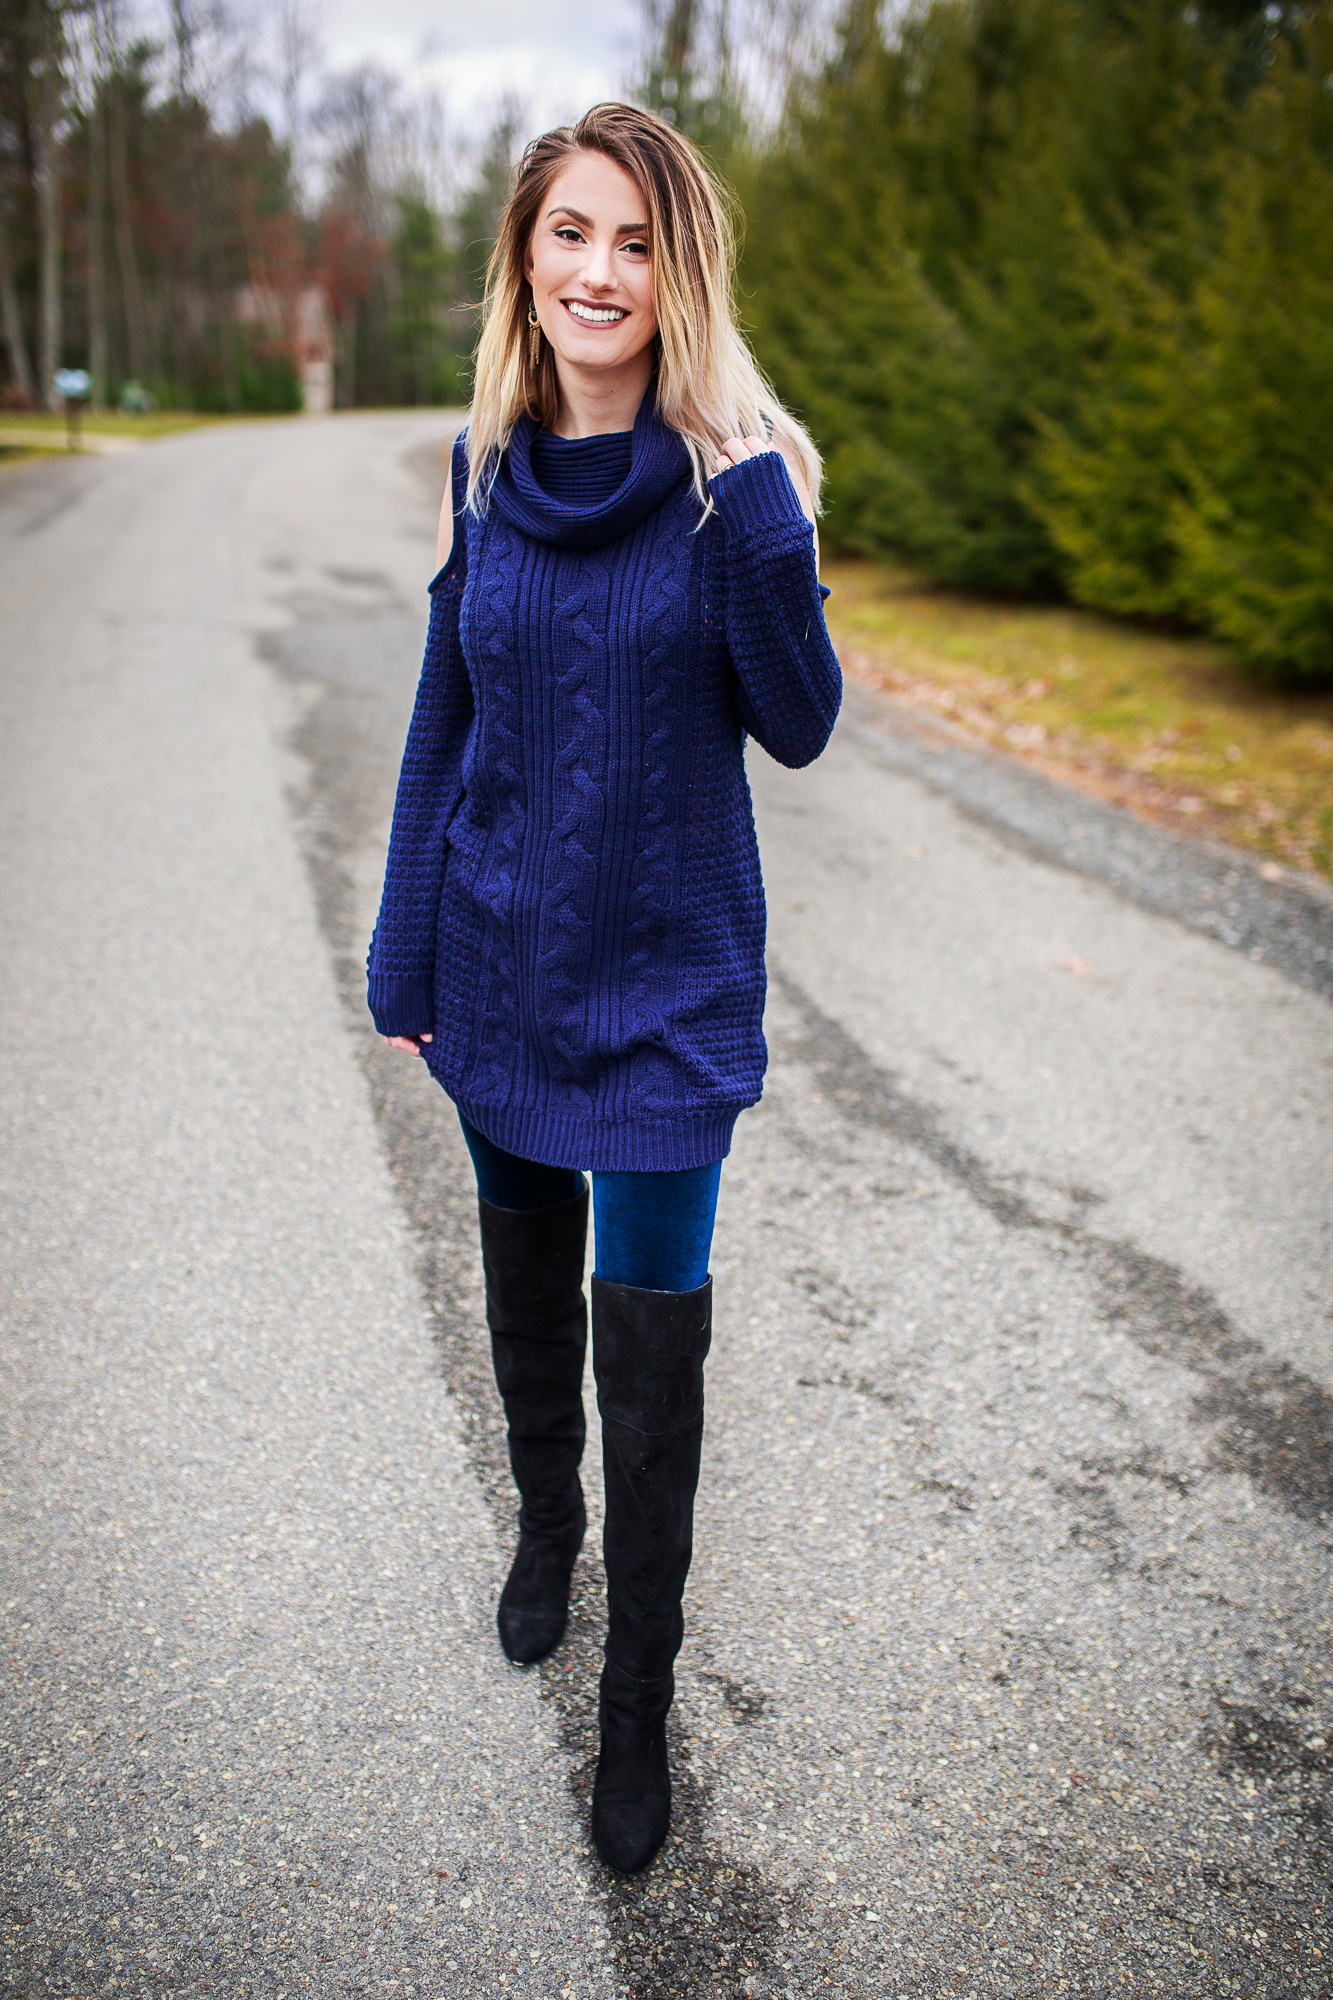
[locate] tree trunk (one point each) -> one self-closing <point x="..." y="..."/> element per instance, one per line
<point x="224" y="304"/>
<point x="124" y="228"/>
<point x="97" y="340"/>
<point x="15" y="340"/>
<point x="49" y="337"/>
<point x="180" y="24"/>
<point x="347" y="328"/>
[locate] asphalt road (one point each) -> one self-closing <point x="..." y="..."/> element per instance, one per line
<point x="1009" y="1667"/>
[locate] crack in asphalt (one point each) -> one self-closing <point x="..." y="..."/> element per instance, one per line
<point x="1272" y="1423"/>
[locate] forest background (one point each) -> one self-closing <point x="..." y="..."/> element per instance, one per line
<point x="1050" y="280"/>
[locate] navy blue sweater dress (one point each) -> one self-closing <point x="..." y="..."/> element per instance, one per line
<point x="572" y="903"/>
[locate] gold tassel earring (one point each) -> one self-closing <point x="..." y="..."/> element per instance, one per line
<point x="534" y="335"/>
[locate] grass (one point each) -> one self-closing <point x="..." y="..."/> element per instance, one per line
<point x="113" y="423"/>
<point x="1171" y="727"/>
<point x="12" y="455"/>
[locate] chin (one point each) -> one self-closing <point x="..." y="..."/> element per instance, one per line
<point x="585" y="353"/>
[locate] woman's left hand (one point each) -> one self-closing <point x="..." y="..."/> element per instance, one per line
<point x="735" y="450"/>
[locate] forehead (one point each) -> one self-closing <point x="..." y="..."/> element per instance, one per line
<point x="599" y="189"/>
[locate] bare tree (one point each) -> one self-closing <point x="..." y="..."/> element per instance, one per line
<point x="122" y="209"/>
<point x="88" y="64"/>
<point x="226" y="59"/>
<point x="297" y="29"/>
<point x="182" y="30"/>
<point x="9" y="310"/>
<point x="48" y="93"/>
<point x="718" y="67"/>
<point x="97" y="339"/>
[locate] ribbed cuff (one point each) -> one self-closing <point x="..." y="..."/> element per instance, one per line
<point x="757" y="493"/>
<point x="403" y="1003"/>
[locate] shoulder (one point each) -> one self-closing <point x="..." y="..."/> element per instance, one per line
<point x="458" y="468"/>
<point x="453" y="503"/>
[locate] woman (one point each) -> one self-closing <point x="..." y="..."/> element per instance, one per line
<point x="572" y="929"/>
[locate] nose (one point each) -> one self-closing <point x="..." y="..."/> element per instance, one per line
<point x="597" y="273"/>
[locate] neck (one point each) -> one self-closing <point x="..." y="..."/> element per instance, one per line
<point x="596" y="400"/>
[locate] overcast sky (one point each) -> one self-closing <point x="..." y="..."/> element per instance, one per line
<point x="560" y="56"/>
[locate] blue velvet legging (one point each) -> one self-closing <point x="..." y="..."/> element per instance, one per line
<point x="653" y="1231"/>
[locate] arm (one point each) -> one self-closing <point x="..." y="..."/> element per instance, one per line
<point x="791" y="684"/>
<point x="402" y="952"/>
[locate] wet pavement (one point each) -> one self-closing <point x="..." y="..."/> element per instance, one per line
<point x="1009" y="1667"/>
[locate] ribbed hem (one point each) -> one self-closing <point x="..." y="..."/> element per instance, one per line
<point x="757" y="493"/>
<point x="553" y="1137"/>
<point x="403" y="1003"/>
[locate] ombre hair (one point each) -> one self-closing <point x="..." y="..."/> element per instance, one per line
<point x="709" y="385"/>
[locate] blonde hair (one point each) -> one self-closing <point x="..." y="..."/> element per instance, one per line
<point x="709" y="385"/>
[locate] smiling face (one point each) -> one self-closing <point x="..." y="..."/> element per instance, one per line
<point x="591" y="271"/>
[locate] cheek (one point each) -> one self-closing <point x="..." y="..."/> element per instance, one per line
<point x="643" y="294"/>
<point x="547" y="267"/>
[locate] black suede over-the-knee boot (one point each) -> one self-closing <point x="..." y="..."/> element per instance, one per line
<point x="648" y="1357"/>
<point x="538" y="1318"/>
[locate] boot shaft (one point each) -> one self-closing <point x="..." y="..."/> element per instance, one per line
<point x="649" y="1350"/>
<point x="533" y="1261"/>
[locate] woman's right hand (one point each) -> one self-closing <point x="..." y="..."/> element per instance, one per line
<point x="409" y="1044"/>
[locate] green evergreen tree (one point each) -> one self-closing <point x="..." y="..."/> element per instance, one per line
<point x="426" y="363"/>
<point x="1051" y="281"/>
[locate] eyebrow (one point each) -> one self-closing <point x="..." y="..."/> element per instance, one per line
<point x="622" y="229"/>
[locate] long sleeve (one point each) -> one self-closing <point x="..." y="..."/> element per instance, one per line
<point x="791" y="685"/>
<point x="401" y="965"/>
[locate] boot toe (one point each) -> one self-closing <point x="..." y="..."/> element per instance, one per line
<point x="627" y="1832"/>
<point x="529" y="1632"/>
<point x="534" y="1604"/>
<point x="631" y="1794"/>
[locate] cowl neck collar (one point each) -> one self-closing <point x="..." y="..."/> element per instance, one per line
<point x="658" y="464"/>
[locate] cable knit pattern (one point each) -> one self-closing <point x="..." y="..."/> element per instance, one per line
<point x="656" y="872"/>
<point x="494" y="823"/>
<point x="567" y="908"/>
<point x="572" y="903"/>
